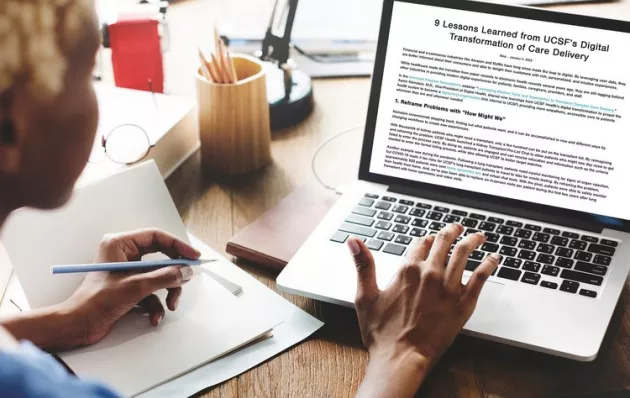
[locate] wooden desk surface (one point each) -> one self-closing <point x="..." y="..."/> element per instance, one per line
<point x="331" y="363"/>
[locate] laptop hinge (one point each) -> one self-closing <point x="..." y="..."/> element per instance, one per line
<point x="498" y="208"/>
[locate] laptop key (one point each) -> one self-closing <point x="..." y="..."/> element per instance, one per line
<point x="388" y="236"/>
<point x="385" y="216"/>
<point x="371" y="196"/>
<point x="490" y="247"/>
<point x="467" y="222"/>
<point x="505" y="230"/>
<point x="609" y="242"/>
<point x="441" y="209"/>
<point x="571" y="235"/>
<point x="451" y="219"/>
<point x="508" y="240"/>
<point x="551" y="231"/>
<point x="550" y="270"/>
<point x="508" y="251"/>
<point x="509" y="273"/>
<point x="588" y="238"/>
<point x="418" y="233"/>
<point x="364" y="211"/>
<point x="515" y="224"/>
<point x="403" y="239"/>
<point x="383" y="205"/>
<point x="526" y="254"/>
<point x="389" y="199"/>
<point x="564" y="262"/>
<point x="522" y="233"/>
<point x="549" y="285"/>
<point x="545" y="258"/>
<point x="423" y="206"/>
<point x="487" y="226"/>
<point x="418" y="222"/>
<point x="477" y="216"/>
<point x="386" y="225"/>
<point x="545" y="248"/>
<point x="492" y="238"/>
<point x="417" y="212"/>
<point x="531" y="266"/>
<point x="496" y="220"/>
<point x="357" y="230"/>
<point x="339" y="237"/>
<point x="375" y="244"/>
<point x="477" y="255"/>
<point x="541" y="237"/>
<point x="392" y="248"/>
<point x="400" y="209"/>
<point x="361" y="238"/>
<point x="366" y="202"/>
<point x="588" y="293"/>
<point x="531" y="278"/>
<point x="559" y="241"/>
<point x="470" y="231"/>
<point x="581" y="277"/>
<point x="601" y="249"/>
<point x="354" y="219"/>
<point x="435" y="216"/>
<point x="583" y="256"/>
<point x="436" y="226"/>
<point x="406" y="202"/>
<point x="564" y="252"/>
<point x="602" y="260"/>
<point x="512" y="262"/>
<point x="527" y="244"/>
<point x="402" y="219"/>
<point x="569" y="286"/>
<point x="577" y="244"/>
<point x="590" y="268"/>
<point x="459" y="213"/>
<point x="533" y="227"/>
<point x="400" y="229"/>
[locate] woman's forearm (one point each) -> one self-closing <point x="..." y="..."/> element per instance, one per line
<point x="394" y="375"/>
<point x="53" y="328"/>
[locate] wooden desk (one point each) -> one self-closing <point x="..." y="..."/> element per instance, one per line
<point x="332" y="362"/>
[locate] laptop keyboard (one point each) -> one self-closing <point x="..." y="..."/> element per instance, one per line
<point x="551" y="258"/>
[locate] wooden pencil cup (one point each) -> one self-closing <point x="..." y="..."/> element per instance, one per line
<point x="234" y="120"/>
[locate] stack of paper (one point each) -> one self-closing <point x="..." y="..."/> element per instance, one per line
<point x="136" y="357"/>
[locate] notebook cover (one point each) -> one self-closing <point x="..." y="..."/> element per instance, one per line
<point x="273" y="239"/>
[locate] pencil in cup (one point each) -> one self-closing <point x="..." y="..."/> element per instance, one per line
<point x="234" y="119"/>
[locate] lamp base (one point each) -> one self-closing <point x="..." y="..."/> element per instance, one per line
<point x="286" y="112"/>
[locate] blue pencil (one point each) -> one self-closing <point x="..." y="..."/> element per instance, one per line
<point x="124" y="266"/>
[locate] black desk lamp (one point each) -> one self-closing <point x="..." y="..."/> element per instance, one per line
<point x="289" y="91"/>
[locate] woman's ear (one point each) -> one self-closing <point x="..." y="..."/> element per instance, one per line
<point x="9" y="149"/>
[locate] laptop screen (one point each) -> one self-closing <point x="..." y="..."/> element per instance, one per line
<point x="512" y="107"/>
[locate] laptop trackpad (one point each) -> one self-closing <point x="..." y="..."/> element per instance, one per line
<point x="488" y="299"/>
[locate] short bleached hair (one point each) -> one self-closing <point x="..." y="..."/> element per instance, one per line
<point x="35" y="39"/>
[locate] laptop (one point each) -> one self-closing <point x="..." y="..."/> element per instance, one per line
<point x="512" y="121"/>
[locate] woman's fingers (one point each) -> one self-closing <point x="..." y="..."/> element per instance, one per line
<point x="152" y="305"/>
<point x="442" y="245"/>
<point x="420" y="251"/>
<point x="135" y="244"/>
<point x="367" y="289"/>
<point x="457" y="264"/>
<point x="172" y="299"/>
<point x="146" y="283"/>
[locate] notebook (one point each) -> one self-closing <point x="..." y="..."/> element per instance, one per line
<point x="135" y="357"/>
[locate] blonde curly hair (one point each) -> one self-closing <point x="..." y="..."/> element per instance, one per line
<point x="35" y="38"/>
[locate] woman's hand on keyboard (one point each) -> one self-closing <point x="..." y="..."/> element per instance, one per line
<point x="408" y="326"/>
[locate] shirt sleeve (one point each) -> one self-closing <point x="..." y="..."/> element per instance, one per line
<point x="28" y="372"/>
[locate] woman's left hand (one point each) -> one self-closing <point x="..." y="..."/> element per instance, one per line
<point x="105" y="297"/>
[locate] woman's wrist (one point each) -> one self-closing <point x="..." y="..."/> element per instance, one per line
<point x="395" y="371"/>
<point x="54" y="328"/>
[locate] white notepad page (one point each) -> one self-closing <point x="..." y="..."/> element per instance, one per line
<point x="209" y="322"/>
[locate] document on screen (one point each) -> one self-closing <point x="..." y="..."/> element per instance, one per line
<point x="518" y="108"/>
